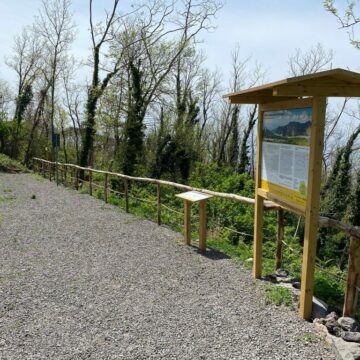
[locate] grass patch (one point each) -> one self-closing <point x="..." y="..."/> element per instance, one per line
<point x="37" y="177"/>
<point x="33" y="196"/>
<point x="7" y="190"/>
<point x="278" y="295"/>
<point x="7" y="198"/>
<point x="309" y="338"/>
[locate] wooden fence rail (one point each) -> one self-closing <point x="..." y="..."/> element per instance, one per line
<point x="353" y="279"/>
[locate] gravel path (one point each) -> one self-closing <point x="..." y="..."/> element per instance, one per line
<point x="82" y="280"/>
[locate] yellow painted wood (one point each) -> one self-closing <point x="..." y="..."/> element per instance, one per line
<point x="187" y="222"/>
<point x="312" y="208"/>
<point x="202" y="225"/>
<point x="296" y="208"/>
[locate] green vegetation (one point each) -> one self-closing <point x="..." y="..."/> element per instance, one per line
<point x="7" y="190"/>
<point x="309" y="338"/>
<point x="8" y="164"/>
<point x="278" y="295"/>
<point x="33" y="196"/>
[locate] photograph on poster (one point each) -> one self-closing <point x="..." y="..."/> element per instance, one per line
<point x="285" y="153"/>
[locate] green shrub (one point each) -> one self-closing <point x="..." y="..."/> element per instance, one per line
<point x="10" y="165"/>
<point x="278" y="295"/>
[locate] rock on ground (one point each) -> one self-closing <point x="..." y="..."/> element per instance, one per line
<point x="82" y="280"/>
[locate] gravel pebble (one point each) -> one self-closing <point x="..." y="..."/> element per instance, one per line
<point x="83" y="280"/>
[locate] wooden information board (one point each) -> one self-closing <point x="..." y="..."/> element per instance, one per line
<point x="288" y="172"/>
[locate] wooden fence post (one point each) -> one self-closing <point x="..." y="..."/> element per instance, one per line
<point x="49" y="170"/>
<point x="106" y="188"/>
<point x="43" y="169"/>
<point x="280" y="238"/>
<point x="90" y="182"/>
<point x="76" y="179"/>
<point x="158" y="203"/>
<point x="126" y="194"/>
<point x="65" y="175"/>
<point x="187" y="222"/>
<point x="351" y="295"/>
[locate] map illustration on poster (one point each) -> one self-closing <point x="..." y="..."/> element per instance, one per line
<point x="285" y="153"/>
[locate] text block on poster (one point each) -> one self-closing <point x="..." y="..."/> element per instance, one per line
<point x="285" y="153"/>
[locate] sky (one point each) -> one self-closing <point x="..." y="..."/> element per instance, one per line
<point x="266" y="30"/>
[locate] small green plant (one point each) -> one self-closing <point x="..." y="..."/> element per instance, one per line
<point x="278" y="295"/>
<point x="33" y="196"/>
<point x="7" y="190"/>
<point x="309" y="338"/>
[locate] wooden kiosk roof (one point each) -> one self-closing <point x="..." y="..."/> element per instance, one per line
<point x="336" y="82"/>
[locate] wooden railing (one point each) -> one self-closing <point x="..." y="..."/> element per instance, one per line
<point x="47" y="168"/>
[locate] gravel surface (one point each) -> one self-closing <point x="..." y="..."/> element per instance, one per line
<point x="83" y="280"/>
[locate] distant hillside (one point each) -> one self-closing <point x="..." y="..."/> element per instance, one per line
<point x="293" y="129"/>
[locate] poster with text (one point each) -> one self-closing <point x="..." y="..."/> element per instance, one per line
<point x="285" y="153"/>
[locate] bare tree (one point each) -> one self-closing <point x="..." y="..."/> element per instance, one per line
<point x="311" y="61"/>
<point x="25" y="61"/>
<point x="5" y="97"/>
<point x="26" y="58"/>
<point x="56" y="27"/>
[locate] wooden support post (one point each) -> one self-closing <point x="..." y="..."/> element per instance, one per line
<point x="202" y="225"/>
<point x="43" y="169"/>
<point x="312" y="206"/>
<point x="158" y="203"/>
<point x="187" y="222"/>
<point x="126" y="194"/>
<point x="49" y="170"/>
<point x="106" y="188"/>
<point x="353" y="278"/>
<point x="90" y="182"/>
<point x="280" y="238"/>
<point x="259" y="205"/>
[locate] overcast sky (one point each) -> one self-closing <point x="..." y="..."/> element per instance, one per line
<point x="268" y="30"/>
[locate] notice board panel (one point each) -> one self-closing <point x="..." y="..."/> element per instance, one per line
<point x="285" y="153"/>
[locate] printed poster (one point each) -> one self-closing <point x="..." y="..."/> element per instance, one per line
<point x="285" y="153"/>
